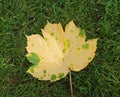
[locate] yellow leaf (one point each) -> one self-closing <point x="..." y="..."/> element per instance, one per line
<point x="58" y="51"/>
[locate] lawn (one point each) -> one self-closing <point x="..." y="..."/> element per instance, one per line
<point x="99" y="18"/>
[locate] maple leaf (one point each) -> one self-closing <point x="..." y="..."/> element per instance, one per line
<point x="59" y="51"/>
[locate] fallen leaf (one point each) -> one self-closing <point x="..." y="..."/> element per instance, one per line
<point x="59" y="51"/>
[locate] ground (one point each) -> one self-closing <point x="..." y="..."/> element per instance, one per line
<point x="99" y="18"/>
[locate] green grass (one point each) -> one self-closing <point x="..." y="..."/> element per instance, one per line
<point x="100" y="18"/>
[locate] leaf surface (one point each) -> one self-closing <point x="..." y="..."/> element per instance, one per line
<point x="59" y="51"/>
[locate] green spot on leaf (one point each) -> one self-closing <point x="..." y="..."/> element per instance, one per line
<point x="71" y="64"/>
<point x="78" y="48"/>
<point x="32" y="68"/>
<point x="64" y="50"/>
<point x="33" y="58"/>
<point x="56" y="38"/>
<point x="42" y="58"/>
<point x="53" y="77"/>
<point x="82" y="33"/>
<point x="89" y="58"/>
<point x="41" y="77"/>
<point x="85" y="46"/>
<point x="61" y="75"/>
<point x="71" y="31"/>
<point x="44" y="75"/>
<point x="44" y="71"/>
<point x="52" y="34"/>
<point x="46" y="39"/>
<point x="67" y="43"/>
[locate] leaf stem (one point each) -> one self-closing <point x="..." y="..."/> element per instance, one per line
<point x="71" y="88"/>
